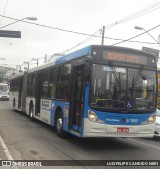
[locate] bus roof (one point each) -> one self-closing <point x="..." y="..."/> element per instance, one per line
<point x="86" y="51"/>
<point x="17" y="75"/>
<point x="3" y="84"/>
<point x="79" y="53"/>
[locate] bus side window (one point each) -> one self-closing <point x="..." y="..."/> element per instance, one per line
<point x="31" y="89"/>
<point x="52" y="84"/>
<point x="45" y="84"/>
<point x="62" y="86"/>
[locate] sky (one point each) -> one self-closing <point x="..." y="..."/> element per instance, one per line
<point x="82" y="16"/>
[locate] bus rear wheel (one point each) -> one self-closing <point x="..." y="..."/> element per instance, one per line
<point x="59" y="125"/>
<point x="14" y="105"/>
<point x="31" y="112"/>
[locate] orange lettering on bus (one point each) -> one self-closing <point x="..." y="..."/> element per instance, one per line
<point x="116" y="56"/>
<point x="123" y="57"/>
<point x="132" y="59"/>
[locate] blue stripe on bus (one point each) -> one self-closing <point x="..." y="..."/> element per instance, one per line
<point x="122" y="119"/>
<point x="80" y="53"/>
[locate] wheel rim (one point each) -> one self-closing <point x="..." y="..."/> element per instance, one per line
<point x="59" y="124"/>
<point x="14" y="105"/>
<point x="31" y="113"/>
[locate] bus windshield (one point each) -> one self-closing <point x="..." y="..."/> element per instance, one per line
<point x="114" y="87"/>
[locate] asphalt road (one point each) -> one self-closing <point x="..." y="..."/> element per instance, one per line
<point x="28" y="140"/>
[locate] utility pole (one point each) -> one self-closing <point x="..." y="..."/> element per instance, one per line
<point x="45" y="59"/>
<point x="159" y="38"/>
<point x="36" y="60"/>
<point x="18" y="67"/>
<point x="103" y="31"/>
<point x="27" y="65"/>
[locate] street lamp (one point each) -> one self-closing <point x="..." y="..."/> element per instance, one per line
<point x="103" y="31"/>
<point x="140" y="28"/>
<point x="18" y="20"/>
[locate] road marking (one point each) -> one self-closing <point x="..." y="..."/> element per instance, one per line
<point x="6" y="151"/>
<point x="146" y="144"/>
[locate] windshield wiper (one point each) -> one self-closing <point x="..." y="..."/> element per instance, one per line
<point x="135" y="79"/>
<point x="117" y="80"/>
<point x="116" y="75"/>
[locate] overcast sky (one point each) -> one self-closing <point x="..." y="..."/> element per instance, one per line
<point x="84" y="16"/>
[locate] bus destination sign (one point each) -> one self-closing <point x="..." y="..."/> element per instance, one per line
<point x="123" y="57"/>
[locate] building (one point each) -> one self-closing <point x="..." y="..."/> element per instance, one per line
<point x="6" y="73"/>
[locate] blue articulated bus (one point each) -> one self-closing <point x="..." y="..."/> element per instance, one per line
<point x="97" y="91"/>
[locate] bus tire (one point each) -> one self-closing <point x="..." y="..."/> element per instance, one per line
<point x="59" y="125"/>
<point x="31" y="111"/>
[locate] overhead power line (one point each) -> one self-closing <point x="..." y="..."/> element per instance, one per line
<point x="96" y="34"/>
<point x="90" y="36"/>
<point x="4" y="11"/>
<point x="22" y="46"/>
<point x="69" y="31"/>
<point x="128" y="40"/>
<point x="138" y="13"/>
<point x="50" y="27"/>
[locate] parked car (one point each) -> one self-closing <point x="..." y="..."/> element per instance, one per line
<point x="157" y="123"/>
<point x="4" y="95"/>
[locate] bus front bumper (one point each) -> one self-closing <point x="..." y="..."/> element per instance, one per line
<point x="92" y="129"/>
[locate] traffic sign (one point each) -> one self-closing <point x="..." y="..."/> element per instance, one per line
<point x="10" y="34"/>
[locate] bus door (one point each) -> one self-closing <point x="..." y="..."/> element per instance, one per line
<point x="38" y="93"/>
<point x="20" y="83"/>
<point x="77" y="101"/>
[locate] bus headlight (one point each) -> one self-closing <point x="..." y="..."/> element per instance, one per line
<point x="157" y="120"/>
<point x="93" y="117"/>
<point x="150" y="120"/>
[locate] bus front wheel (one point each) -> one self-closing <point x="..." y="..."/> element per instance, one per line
<point x="59" y="125"/>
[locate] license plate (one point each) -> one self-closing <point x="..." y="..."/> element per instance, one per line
<point x="123" y="130"/>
